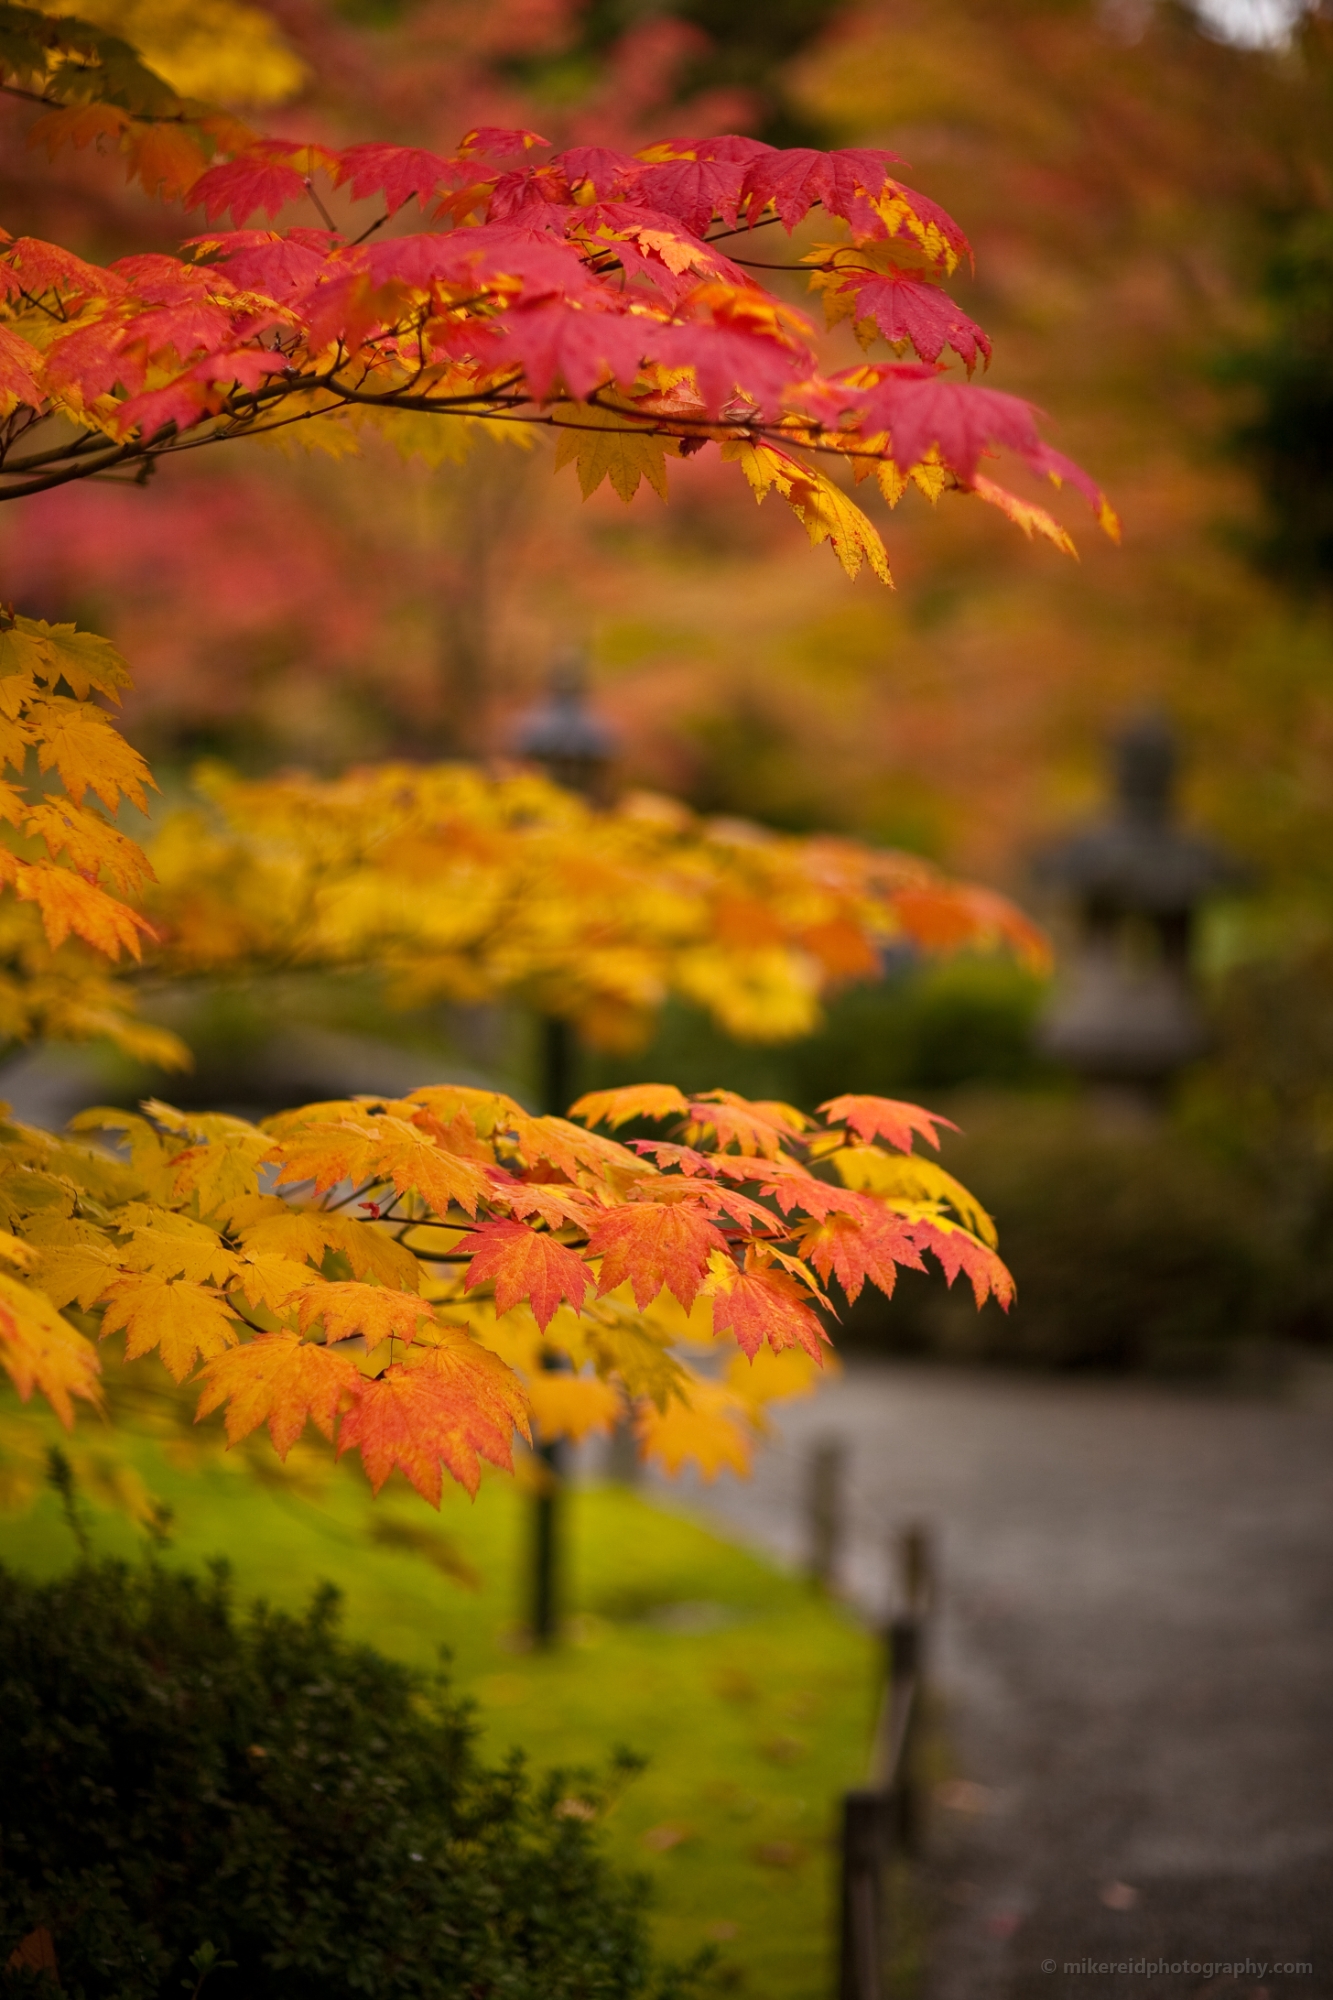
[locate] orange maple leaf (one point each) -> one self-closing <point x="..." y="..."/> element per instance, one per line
<point x="529" y="1264"/>
<point x="653" y="1244"/>
<point x="569" y="1149"/>
<point x="855" y="1250"/>
<point x="765" y="1305"/>
<point x="639" y="1100"/>
<point x="874" y="1118"/>
<point x="553" y="1202"/>
<point x="751" y="1128"/>
<point x="457" y="1403"/>
<point x="382" y="1149"/>
<point x="279" y="1380"/>
<point x="958" y="1251"/>
<point x="374" y="1311"/>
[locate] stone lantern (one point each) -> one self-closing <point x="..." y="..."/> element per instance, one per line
<point x="1125" y="1016"/>
<point x="566" y="736"/>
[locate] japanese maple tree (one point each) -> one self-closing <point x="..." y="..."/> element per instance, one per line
<point x="394" y="1270"/>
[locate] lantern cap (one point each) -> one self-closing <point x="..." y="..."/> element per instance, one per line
<point x="563" y="732"/>
<point x="1138" y="858"/>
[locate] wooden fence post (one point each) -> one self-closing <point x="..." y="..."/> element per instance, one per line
<point x="861" y="1958"/>
<point x="825" y="1511"/>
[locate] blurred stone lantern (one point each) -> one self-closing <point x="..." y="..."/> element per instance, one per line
<point x="1125" y="1017"/>
<point x="565" y="735"/>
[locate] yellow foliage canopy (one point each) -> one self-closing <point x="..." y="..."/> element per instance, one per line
<point x="467" y="887"/>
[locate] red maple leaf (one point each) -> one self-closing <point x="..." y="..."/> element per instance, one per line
<point x="597" y="167"/>
<point x="874" y="1118"/>
<point x="694" y="190"/>
<point x="255" y="180"/>
<point x="903" y="308"/>
<point x="499" y="142"/>
<point x="17" y="361"/>
<point x="32" y="266"/>
<point x="525" y="1263"/>
<point x="655" y="1244"/>
<point x="921" y="409"/>
<point x="731" y="361"/>
<point x="798" y="177"/>
<point x="398" y="173"/>
<point x="262" y="260"/>
<point x="583" y="350"/>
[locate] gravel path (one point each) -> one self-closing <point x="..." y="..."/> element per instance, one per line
<point x="1135" y="1647"/>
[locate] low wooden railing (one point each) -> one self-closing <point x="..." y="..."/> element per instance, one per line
<point x="881" y="1820"/>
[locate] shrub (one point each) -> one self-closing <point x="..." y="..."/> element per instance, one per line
<point x="1132" y="1247"/>
<point x="180" y="1786"/>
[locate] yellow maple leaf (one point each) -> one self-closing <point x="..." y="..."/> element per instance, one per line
<point x="52" y="653"/>
<point x="40" y="1350"/>
<point x="181" y="1319"/>
<point x="220" y="1169"/>
<point x="89" y="753"/>
<point x="713" y="1429"/>
<point x="90" y="845"/>
<point x="193" y="1251"/>
<point x="572" y="1405"/>
<point x="16" y="1252"/>
<point x="309" y="1232"/>
<point x="607" y="445"/>
<point x="639" y="1100"/>
<point x="69" y="904"/>
<point x="77" y="1273"/>
<point x="908" y="1178"/>
<point x="829" y="515"/>
<point x="271" y="1280"/>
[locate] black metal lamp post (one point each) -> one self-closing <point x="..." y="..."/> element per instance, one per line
<point x="1125" y="1017"/>
<point x="575" y="748"/>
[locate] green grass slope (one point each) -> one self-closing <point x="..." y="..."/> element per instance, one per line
<point x="750" y="1697"/>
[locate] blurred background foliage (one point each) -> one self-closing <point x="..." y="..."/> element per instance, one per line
<point x="1151" y="207"/>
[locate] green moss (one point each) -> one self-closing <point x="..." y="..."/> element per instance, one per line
<point x="750" y="1697"/>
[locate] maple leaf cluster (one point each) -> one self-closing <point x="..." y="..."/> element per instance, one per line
<point x="587" y="291"/>
<point x="69" y="879"/>
<point x="401" y="1273"/>
<point x="462" y="886"/>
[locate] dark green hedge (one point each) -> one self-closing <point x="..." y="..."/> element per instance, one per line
<point x="178" y="1782"/>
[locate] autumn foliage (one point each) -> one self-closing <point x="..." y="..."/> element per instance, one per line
<point x="459" y="885"/>
<point x="397" y="1272"/>
<point x="585" y="291"/>
<point x="423" y="1277"/>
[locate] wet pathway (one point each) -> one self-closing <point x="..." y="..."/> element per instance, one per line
<point x="1135" y="1645"/>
